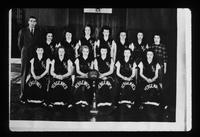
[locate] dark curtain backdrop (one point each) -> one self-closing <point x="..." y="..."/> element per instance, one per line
<point x="150" y="21"/>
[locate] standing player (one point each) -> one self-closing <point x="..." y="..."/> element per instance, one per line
<point x="88" y="40"/>
<point x="122" y="43"/>
<point x="49" y="45"/>
<point x="105" y="66"/>
<point x="139" y="47"/>
<point x="69" y="44"/>
<point x="36" y="86"/>
<point x="60" y="92"/>
<point x="149" y="87"/>
<point x="105" y="40"/>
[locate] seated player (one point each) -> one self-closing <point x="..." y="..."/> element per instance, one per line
<point x="60" y="92"/>
<point x="150" y="94"/>
<point x="36" y="87"/>
<point x="83" y="88"/>
<point x="105" y="66"/>
<point x="126" y="73"/>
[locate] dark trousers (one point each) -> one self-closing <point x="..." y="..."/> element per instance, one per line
<point x="25" y="69"/>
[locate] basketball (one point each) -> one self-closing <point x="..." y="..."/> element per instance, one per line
<point x="93" y="74"/>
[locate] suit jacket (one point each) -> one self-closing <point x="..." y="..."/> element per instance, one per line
<point x="27" y="41"/>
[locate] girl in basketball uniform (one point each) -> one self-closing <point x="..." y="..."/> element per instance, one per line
<point x="125" y="70"/>
<point x="88" y="40"/>
<point x="122" y="43"/>
<point x="83" y="88"/>
<point x="105" y="40"/>
<point x="50" y="51"/>
<point x="105" y="66"/>
<point x="60" y="92"/>
<point x="49" y="46"/>
<point x="36" y="87"/>
<point x="69" y="44"/>
<point x="150" y="94"/>
<point x="139" y="46"/>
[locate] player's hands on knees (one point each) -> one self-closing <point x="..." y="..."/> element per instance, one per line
<point x="149" y="80"/>
<point x="104" y="78"/>
<point x="58" y="77"/>
<point x="36" y="77"/>
<point x="85" y="75"/>
<point x="101" y="76"/>
<point x="126" y="79"/>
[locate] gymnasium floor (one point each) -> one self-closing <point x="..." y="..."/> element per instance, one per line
<point x="20" y="111"/>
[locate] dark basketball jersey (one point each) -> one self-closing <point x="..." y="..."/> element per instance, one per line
<point x="105" y="44"/>
<point x="126" y="67"/>
<point x="103" y="65"/>
<point x="69" y="49"/>
<point x="120" y="49"/>
<point x="149" y="69"/>
<point x="90" y="43"/>
<point x="49" y="50"/>
<point x="84" y="64"/>
<point x="39" y="66"/>
<point x="60" y="66"/>
<point x="139" y="51"/>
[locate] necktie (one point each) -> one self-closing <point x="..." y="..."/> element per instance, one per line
<point x="32" y="32"/>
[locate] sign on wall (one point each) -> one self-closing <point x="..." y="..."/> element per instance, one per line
<point x="98" y="10"/>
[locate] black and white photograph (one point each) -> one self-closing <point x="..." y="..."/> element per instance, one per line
<point x="100" y="69"/>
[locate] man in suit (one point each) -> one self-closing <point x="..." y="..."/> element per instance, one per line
<point x="28" y="38"/>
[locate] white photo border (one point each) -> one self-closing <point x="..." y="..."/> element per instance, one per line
<point x="183" y="119"/>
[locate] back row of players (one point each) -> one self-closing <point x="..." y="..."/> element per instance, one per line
<point x="59" y="72"/>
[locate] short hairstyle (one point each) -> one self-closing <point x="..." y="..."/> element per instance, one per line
<point x="48" y="32"/>
<point x="149" y="50"/>
<point x="123" y="30"/>
<point x="38" y="46"/>
<point x="156" y="34"/>
<point x="106" y="28"/>
<point x="140" y="31"/>
<point x="68" y="29"/>
<point x="103" y="48"/>
<point x="91" y="29"/>
<point x="84" y="47"/>
<point x="127" y="49"/>
<point x="61" y="47"/>
<point x="32" y="17"/>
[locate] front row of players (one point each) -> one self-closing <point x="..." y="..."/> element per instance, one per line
<point x="68" y="84"/>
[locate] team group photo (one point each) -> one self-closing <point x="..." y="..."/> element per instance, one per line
<point x="96" y="64"/>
